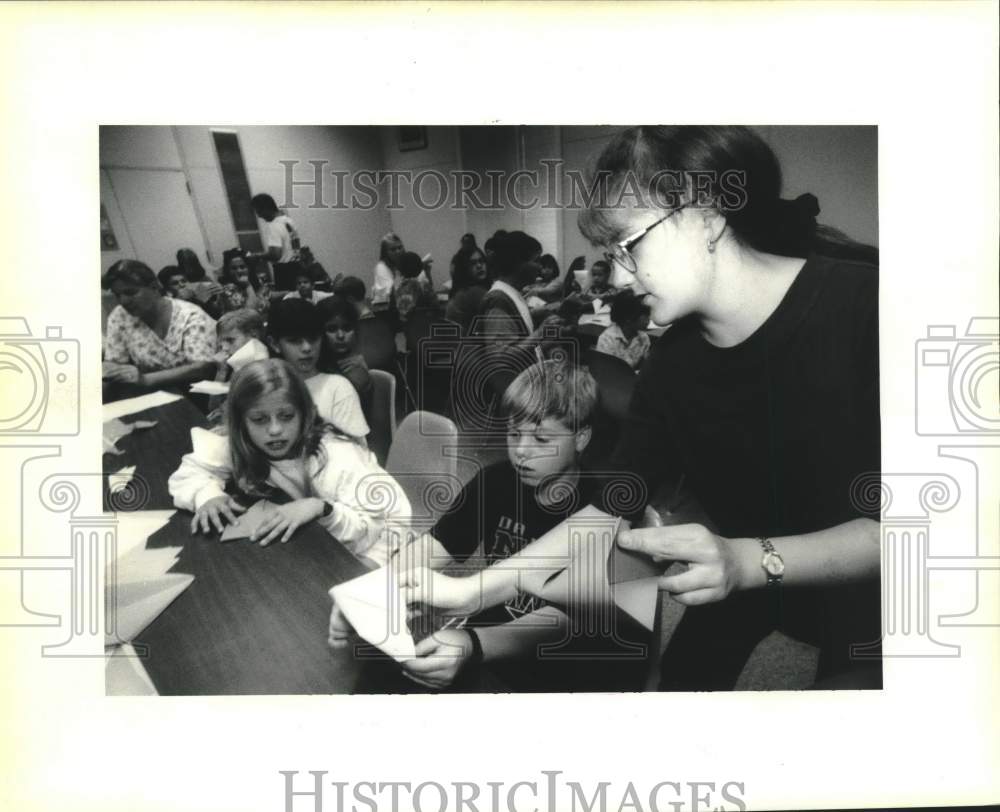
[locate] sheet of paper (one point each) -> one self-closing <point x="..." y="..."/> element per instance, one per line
<point x="373" y="605"/>
<point x="210" y="388"/>
<point x="135" y="527"/>
<point x="120" y="479"/>
<point x="247" y="522"/>
<point x="124" y="674"/>
<point x="253" y="350"/>
<point x="638" y="599"/>
<point x="628" y="565"/>
<point x="133" y="606"/>
<point x="140" y="564"/>
<point x="120" y="408"/>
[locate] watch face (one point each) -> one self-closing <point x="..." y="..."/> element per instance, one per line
<point x="773" y="564"/>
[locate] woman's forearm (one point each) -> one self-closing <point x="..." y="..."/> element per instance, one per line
<point x="183" y="374"/>
<point x="840" y="554"/>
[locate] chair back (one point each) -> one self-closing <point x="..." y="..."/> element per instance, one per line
<point x="377" y="343"/>
<point x="433" y="344"/>
<point x="615" y="382"/>
<point x="422" y="459"/>
<point x="382" y="420"/>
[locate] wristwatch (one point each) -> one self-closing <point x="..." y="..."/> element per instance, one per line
<point x="772" y="563"/>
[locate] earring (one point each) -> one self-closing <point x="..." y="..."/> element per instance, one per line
<point x="711" y="246"/>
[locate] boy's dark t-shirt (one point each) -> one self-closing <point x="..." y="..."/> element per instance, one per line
<point x="500" y="512"/>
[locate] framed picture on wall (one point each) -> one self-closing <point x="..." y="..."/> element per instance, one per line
<point x="411" y="138"/>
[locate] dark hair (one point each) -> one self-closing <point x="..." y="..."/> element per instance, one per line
<point x="463" y="278"/>
<point x="226" y="274"/>
<point x="337" y="307"/>
<point x="468" y="242"/>
<point x="300" y="272"/>
<point x="491" y="243"/>
<point x="251" y="467"/>
<point x="167" y="273"/>
<point x="731" y="169"/>
<point x="131" y="271"/>
<point x="189" y="263"/>
<point x="578" y="264"/>
<point x="264" y="206"/>
<point x="510" y="250"/>
<point x="548" y="261"/>
<point x="294" y="318"/>
<point x="410" y="265"/>
<point x="350" y="287"/>
<point x="626" y="306"/>
<point x="604" y="265"/>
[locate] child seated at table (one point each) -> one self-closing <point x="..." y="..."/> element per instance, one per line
<point x="625" y="338"/>
<point x="279" y="448"/>
<point x="600" y="282"/>
<point x="235" y="330"/>
<point x="339" y="353"/>
<point x="295" y="332"/>
<point x="304" y="288"/>
<point x="548" y="287"/>
<point x="504" y="507"/>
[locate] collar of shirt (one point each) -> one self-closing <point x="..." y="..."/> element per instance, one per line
<point x="518" y="300"/>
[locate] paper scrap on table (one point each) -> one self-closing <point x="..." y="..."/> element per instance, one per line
<point x="114" y="430"/>
<point x="131" y="607"/>
<point x="135" y="528"/>
<point x="253" y="350"/>
<point x="248" y="522"/>
<point x="210" y="388"/>
<point x="139" y="565"/>
<point x="121" y="408"/>
<point x="124" y="674"/>
<point x="374" y="606"/>
<point x="120" y="479"/>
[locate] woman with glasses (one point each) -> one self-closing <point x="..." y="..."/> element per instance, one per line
<point x="763" y="394"/>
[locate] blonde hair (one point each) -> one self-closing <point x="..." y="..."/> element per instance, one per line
<point x="557" y="389"/>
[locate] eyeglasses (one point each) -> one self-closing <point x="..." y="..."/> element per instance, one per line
<point x="621" y="252"/>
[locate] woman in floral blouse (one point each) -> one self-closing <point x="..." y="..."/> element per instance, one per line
<point x="152" y="341"/>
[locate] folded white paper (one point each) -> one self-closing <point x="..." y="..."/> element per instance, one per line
<point x="120" y="480"/>
<point x="120" y="408"/>
<point x="374" y="606"/>
<point x="131" y="607"/>
<point x="124" y="674"/>
<point x="253" y="350"/>
<point x="210" y="388"/>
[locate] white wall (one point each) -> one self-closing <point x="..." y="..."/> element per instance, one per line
<point x="424" y="231"/>
<point x="342" y="240"/>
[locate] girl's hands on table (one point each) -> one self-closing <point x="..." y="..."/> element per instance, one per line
<point x="211" y="514"/>
<point x="439" y="658"/>
<point x="284" y="520"/>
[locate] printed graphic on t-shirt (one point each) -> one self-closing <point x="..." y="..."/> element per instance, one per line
<point x="509" y="539"/>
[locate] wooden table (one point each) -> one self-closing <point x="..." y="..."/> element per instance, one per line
<point x="255" y="620"/>
<point x="155" y="452"/>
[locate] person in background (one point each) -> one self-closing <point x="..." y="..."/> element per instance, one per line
<point x="281" y="240"/>
<point x="625" y="338"/>
<point x="413" y="291"/>
<point x="295" y="332"/>
<point x="471" y="282"/>
<point x="570" y="284"/>
<point x="234" y="331"/>
<point x="317" y="273"/>
<point x="188" y="262"/>
<point x="548" y="287"/>
<point x="237" y="290"/>
<point x="489" y="247"/>
<point x="600" y="282"/>
<point x="353" y="289"/>
<point x="304" y="288"/>
<point x="153" y="341"/>
<point x="388" y="271"/>
<point x="465" y="247"/>
<point x="339" y="354"/>
<point x="174" y="283"/>
<point x="278" y="446"/>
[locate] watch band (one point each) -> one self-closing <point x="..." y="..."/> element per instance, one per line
<point x="772" y="563"/>
<point x="476" y="657"/>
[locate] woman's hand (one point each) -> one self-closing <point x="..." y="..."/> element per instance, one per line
<point x="121" y="373"/>
<point x="213" y="511"/>
<point x="439" y="658"/>
<point x="452" y="596"/>
<point x="284" y="520"/>
<point x="713" y="568"/>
